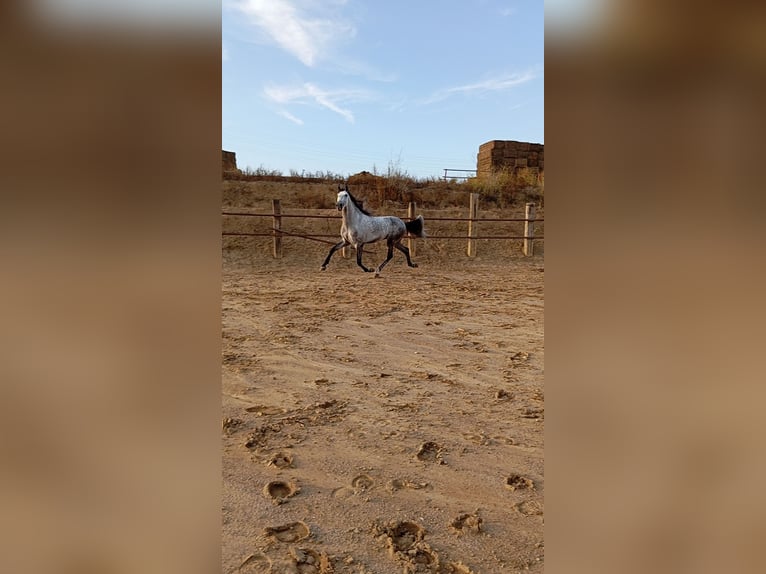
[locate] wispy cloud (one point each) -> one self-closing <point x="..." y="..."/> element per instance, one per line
<point x="496" y="84"/>
<point x="309" y="93"/>
<point x="355" y="67"/>
<point x="306" y="37"/>
<point x="289" y="116"/>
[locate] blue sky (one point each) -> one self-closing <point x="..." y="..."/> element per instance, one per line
<point x="352" y="85"/>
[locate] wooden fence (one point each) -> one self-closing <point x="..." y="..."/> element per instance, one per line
<point x="473" y="220"/>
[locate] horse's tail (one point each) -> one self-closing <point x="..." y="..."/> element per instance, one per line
<point x="416" y="226"/>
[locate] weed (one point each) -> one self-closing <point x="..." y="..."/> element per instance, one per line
<point x="508" y="187"/>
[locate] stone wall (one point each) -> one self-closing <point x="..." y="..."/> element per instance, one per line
<point x="497" y="155"/>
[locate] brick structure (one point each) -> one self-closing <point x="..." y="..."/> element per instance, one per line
<point x="229" y="163"/>
<point x="497" y="155"/>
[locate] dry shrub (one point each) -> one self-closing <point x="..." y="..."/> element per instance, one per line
<point x="394" y="190"/>
<point x="317" y="199"/>
<point x="397" y="188"/>
<point x="237" y="192"/>
<point x="508" y="187"/>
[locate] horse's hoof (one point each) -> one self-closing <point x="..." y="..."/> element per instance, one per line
<point x="323" y="268"/>
<point x="414" y="265"/>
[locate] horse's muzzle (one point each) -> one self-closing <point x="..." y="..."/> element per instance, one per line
<point x="339" y="206"/>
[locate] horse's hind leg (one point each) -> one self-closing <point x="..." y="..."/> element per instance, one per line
<point x="333" y="249"/>
<point x="406" y="252"/>
<point x="359" y="251"/>
<point x="389" y="256"/>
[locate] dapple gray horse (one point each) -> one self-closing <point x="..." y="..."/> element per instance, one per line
<point x="360" y="227"/>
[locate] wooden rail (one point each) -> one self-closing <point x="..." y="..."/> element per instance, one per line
<point x="473" y="220"/>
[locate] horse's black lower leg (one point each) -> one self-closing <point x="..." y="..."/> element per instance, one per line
<point x="333" y="249"/>
<point x="406" y="252"/>
<point x="359" y="251"/>
<point x="389" y="256"/>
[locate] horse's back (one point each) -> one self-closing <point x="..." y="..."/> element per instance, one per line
<point x="374" y="228"/>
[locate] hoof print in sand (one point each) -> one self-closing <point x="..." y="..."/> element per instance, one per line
<point x="280" y="460"/>
<point x="292" y="532"/>
<point x="518" y="482"/>
<point x="260" y="436"/>
<point x="534" y="413"/>
<point x="404" y="535"/>
<point x="399" y="536"/>
<point x="456" y="568"/>
<point x="405" y="543"/>
<point x="430" y="452"/>
<point x="529" y="508"/>
<point x="279" y="491"/>
<point x="362" y="482"/>
<point x="467" y="523"/>
<point x="421" y="558"/>
<point x="229" y="424"/>
<point x="255" y="564"/>
<point x="399" y="484"/>
<point x="520" y="358"/>
<point x="309" y="561"/>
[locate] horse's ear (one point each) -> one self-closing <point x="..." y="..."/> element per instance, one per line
<point x="340" y="188"/>
<point x="346" y="189"/>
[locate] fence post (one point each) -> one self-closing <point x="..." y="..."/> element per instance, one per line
<point x="472" y="210"/>
<point x="529" y="229"/>
<point x="277" y="211"/>
<point x="411" y="214"/>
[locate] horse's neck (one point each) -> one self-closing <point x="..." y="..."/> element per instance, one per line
<point x="353" y="215"/>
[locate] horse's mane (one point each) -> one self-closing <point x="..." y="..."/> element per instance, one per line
<point x="357" y="203"/>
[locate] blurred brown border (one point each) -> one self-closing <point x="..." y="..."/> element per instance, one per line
<point x="110" y="401"/>
<point x="654" y="116"/>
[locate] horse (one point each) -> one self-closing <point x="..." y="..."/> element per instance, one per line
<point x="360" y="227"/>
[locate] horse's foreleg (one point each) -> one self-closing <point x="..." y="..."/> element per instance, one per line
<point x="333" y="249"/>
<point x="389" y="256"/>
<point x="406" y="252"/>
<point x="359" y="251"/>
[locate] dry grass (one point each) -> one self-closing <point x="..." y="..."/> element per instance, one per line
<point x="509" y="187"/>
<point x="503" y="189"/>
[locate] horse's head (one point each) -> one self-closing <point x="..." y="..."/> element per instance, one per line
<point x="342" y="200"/>
<point x="343" y="197"/>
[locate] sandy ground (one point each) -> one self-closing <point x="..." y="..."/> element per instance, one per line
<point x="383" y="425"/>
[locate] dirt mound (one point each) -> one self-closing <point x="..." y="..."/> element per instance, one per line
<point x="364" y="178"/>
